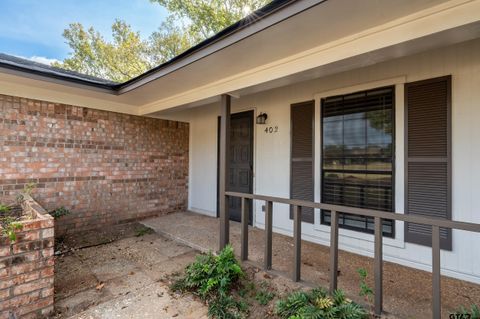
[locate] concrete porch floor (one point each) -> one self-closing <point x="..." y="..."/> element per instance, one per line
<point x="407" y="291"/>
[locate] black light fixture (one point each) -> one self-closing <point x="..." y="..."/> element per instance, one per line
<point x="261" y="118"/>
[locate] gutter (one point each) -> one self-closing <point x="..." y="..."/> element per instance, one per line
<point x="255" y="22"/>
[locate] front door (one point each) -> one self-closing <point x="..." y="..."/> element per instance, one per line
<point x="240" y="176"/>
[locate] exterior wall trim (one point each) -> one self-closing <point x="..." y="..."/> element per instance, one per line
<point x="361" y="87"/>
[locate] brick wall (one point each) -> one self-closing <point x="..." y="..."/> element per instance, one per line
<point x="105" y="167"/>
<point x="27" y="267"/>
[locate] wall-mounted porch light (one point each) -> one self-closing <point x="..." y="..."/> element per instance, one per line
<point x="261" y="118"/>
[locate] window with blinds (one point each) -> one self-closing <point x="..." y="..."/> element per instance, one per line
<point x="358" y="156"/>
<point x="428" y="157"/>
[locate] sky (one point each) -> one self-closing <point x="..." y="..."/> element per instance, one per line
<point x="33" y="28"/>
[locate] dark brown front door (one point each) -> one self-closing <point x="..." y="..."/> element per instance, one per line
<point x="240" y="175"/>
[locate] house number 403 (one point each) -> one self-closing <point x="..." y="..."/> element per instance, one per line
<point x="271" y="129"/>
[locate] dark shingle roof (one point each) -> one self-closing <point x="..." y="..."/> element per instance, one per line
<point x="25" y="65"/>
<point x="21" y="64"/>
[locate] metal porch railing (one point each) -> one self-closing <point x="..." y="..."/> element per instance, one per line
<point x="435" y="223"/>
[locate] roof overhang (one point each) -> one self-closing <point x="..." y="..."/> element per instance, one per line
<point x="302" y="40"/>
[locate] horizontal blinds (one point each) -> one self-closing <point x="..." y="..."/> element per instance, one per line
<point x="357" y="155"/>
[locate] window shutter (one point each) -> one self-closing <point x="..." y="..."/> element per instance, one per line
<point x="302" y="156"/>
<point x="428" y="157"/>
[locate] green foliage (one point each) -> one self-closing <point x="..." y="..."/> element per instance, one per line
<point x="204" y="18"/>
<point x="119" y="60"/>
<point x="212" y="278"/>
<point x="365" y="290"/>
<point x="10" y="227"/>
<point x="213" y="275"/>
<point x="59" y="212"/>
<point x="472" y="313"/>
<point x="129" y="55"/>
<point x="226" y="307"/>
<point x="143" y="231"/>
<point x="167" y="42"/>
<point x="4" y="209"/>
<point x="318" y="304"/>
<point x="263" y="297"/>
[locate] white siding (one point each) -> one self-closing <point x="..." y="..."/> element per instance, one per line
<point x="272" y="152"/>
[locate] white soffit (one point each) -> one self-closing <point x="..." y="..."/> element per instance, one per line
<point x="441" y="25"/>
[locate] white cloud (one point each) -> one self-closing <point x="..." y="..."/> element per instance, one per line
<point x="43" y="60"/>
<point x="38" y="59"/>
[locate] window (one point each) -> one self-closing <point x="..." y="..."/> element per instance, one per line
<point x="358" y="156"/>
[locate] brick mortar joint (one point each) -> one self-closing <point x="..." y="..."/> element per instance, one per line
<point x="47" y="285"/>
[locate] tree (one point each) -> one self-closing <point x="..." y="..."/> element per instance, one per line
<point x="169" y="41"/>
<point x="127" y="55"/>
<point x="123" y="58"/>
<point x="204" y="18"/>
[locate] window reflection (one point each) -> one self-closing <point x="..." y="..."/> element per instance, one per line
<point x="357" y="157"/>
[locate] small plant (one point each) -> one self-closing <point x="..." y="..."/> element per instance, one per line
<point x="471" y="313"/>
<point x="27" y="191"/>
<point x="59" y="212"/>
<point x="4" y="209"/>
<point x="212" y="278"/>
<point x="264" y="295"/>
<point x="142" y="231"/>
<point x="317" y="303"/>
<point x="226" y="307"/>
<point x="9" y="227"/>
<point x="365" y="290"/>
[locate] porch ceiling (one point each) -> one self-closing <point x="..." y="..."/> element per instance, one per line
<point x="405" y="36"/>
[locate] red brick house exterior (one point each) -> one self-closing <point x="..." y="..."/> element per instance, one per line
<point x="105" y="167"/>
<point x="27" y="267"/>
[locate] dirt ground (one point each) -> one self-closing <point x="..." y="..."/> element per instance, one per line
<point x="407" y="291"/>
<point x="125" y="272"/>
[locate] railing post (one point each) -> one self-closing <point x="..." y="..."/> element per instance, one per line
<point x="297" y="241"/>
<point x="436" y="290"/>
<point x="244" y="231"/>
<point x="378" y="266"/>
<point x="223" y="169"/>
<point x="268" y="235"/>
<point x="333" y="251"/>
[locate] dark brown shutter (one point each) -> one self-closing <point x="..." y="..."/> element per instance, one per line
<point x="428" y="157"/>
<point x="302" y="156"/>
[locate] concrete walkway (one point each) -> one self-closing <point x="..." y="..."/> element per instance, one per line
<point x="124" y="279"/>
<point x="407" y="292"/>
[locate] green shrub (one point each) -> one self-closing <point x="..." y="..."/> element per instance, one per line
<point x="9" y="225"/>
<point x="212" y="275"/>
<point x="212" y="278"/>
<point x="263" y="297"/>
<point x="226" y="307"/>
<point x="59" y="212"/>
<point x="317" y="303"/>
<point x="472" y="313"/>
<point x="4" y="209"/>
